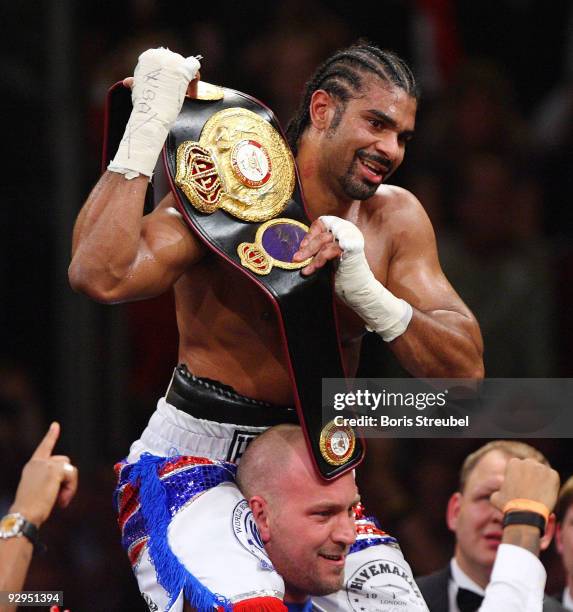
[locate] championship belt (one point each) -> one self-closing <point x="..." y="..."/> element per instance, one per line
<point x="234" y="179"/>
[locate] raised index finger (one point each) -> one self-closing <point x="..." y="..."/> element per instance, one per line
<point x="46" y="446"/>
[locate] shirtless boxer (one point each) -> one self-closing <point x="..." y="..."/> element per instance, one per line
<point x="349" y="136"/>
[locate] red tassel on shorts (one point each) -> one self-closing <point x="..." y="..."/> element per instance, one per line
<point x="260" y="604"/>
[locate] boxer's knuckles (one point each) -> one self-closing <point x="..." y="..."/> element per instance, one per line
<point x="191" y="88"/>
<point x="318" y="244"/>
<point x="155" y="58"/>
<point x="312" y="244"/>
<point x="327" y="253"/>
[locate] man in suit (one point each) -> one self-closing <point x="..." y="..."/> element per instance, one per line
<point x="564" y="540"/>
<point x="478" y="527"/>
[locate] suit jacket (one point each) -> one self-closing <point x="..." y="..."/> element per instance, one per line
<point x="434" y="588"/>
<point x="558" y="596"/>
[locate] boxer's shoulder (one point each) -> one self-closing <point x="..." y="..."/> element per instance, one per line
<point x="396" y="208"/>
<point x="391" y="198"/>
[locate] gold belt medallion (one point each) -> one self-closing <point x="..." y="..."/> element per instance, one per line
<point x="276" y="242"/>
<point x="240" y="164"/>
<point x="337" y="443"/>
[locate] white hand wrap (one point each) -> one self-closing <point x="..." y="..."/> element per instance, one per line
<point x="356" y="286"/>
<point x="161" y="78"/>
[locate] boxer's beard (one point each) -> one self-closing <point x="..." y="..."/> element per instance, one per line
<point x="358" y="188"/>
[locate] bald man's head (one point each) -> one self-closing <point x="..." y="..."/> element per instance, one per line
<point x="270" y="458"/>
<point x="306" y="523"/>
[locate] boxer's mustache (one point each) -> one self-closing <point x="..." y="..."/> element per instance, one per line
<point x="377" y="159"/>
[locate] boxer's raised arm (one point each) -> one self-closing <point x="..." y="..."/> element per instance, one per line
<point x="120" y="255"/>
<point x="117" y="254"/>
<point x="428" y="327"/>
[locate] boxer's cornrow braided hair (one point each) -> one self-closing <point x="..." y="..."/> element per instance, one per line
<point x="342" y="76"/>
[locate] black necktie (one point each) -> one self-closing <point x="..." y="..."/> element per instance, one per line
<point x="468" y="601"/>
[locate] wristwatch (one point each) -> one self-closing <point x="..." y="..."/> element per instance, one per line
<point x="14" y="525"/>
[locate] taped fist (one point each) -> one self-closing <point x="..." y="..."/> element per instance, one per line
<point x="159" y="86"/>
<point x="332" y="237"/>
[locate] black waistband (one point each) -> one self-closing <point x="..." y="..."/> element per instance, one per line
<point x="209" y="399"/>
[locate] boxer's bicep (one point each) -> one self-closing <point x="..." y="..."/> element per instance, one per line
<point x="120" y="256"/>
<point x="415" y="274"/>
<point x="167" y="249"/>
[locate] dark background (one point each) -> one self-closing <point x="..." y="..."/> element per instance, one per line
<point x="491" y="162"/>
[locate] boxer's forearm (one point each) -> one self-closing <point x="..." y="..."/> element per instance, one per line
<point x="440" y="344"/>
<point x="107" y="233"/>
<point x="433" y="344"/>
<point x="117" y="255"/>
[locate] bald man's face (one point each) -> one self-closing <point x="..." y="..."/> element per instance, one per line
<point x="310" y="529"/>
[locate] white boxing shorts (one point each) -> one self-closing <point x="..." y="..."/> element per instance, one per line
<point x="190" y="534"/>
<point x="188" y="531"/>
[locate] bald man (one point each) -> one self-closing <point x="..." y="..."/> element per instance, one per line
<point x="313" y="536"/>
<point x="309" y="531"/>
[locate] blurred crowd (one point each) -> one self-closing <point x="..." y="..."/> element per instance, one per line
<point x="491" y="162"/>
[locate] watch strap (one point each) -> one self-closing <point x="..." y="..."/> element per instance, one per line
<point x="525" y="518"/>
<point x="28" y="530"/>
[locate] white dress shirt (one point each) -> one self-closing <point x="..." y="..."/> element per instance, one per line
<point x="460" y="580"/>
<point x="517" y="582"/>
<point x="567" y="599"/>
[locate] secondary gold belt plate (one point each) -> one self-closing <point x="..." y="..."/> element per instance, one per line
<point x="276" y="242"/>
<point x="337" y="443"/>
<point x="240" y="164"/>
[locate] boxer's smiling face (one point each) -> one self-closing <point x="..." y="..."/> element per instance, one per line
<point x="365" y="142"/>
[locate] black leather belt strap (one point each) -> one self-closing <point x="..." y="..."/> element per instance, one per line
<point x="303" y="305"/>
<point x="213" y="401"/>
